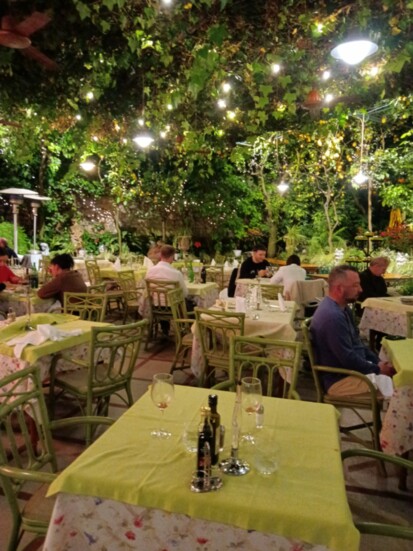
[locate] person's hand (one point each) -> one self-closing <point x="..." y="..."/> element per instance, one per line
<point x="386" y="368"/>
<point x="262" y="273"/>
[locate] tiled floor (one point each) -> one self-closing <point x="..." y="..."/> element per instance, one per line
<point x="385" y="504"/>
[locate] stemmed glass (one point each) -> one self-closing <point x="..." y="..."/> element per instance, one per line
<point x="162" y="392"/>
<point x="251" y="400"/>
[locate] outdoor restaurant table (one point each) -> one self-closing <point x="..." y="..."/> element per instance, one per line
<point x="16" y="298"/>
<point x="146" y="502"/>
<point x="390" y="279"/>
<point x="41" y="354"/>
<point x="109" y="272"/>
<point x="271" y="324"/>
<point x="309" y="268"/>
<point x="386" y="314"/>
<point x="396" y="436"/>
<point x="203" y="294"/>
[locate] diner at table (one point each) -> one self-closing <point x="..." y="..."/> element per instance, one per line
<point x="65" y="279"/>
<point x="6" y="274"/>
<point x="300" y="503"/>
<point x="256" y="265"/>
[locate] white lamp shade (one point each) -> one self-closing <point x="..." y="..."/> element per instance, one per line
<point x="354" y="51"/>
<point x="18" y="191"/>
<point x="88" y="166"/>
<point x="143" y="140"/>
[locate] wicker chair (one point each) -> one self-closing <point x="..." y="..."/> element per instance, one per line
<point x="132" y="296"/>
<point x="182" y="328"/>
<point x="159" y="310"/>
<point x="88" y="306"/>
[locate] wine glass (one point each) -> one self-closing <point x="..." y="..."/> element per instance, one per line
<point x="251" y="400"/>
<point x="162" y="392"/>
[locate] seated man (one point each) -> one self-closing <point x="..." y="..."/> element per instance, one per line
<point x="335" y="337"/>
<point x="65" y="279"/>
<point x="256" y="265"/>
<point x="164" y="270"/>
<point x="372" y="280"/>
<point x="288" y="274"/>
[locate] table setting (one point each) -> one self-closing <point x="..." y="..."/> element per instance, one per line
<point x="147" y="502"/>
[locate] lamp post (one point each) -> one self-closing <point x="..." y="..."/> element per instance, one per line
<point x="368" y="242"/>
<point x="16" y="199"/>
<point x="35" y="203"/>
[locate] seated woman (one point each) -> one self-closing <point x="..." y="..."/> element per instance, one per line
<point x="6" y="275"/>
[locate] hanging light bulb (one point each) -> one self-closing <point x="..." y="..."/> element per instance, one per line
<point x="143" y="140"/>
<point x="87" y="165"/>
<point x="360" y="178"/>
<point x="354" y="51"/>
<point x="283" y="187"/>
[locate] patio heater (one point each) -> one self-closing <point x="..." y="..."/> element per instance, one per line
<point x="368" y="243"/>
<point x="16" y="200"/>
<point x="35" y="203"/>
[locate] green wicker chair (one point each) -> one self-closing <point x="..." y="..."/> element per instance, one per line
<point x="372" y="402"/>
<point x="93" y="272"/>
<point x="26" y="451"/>
<point x="215" y="329"/>
<point x="182" y="328"/>
<point x="88" y="306"/>
<point x="409" y="324"/>
<point x="112" y="358"/>
<point x="270" y="292"/>
<point x="215" y="274"/>
<point x="377" y="528"/>
<point x="159" y="310"/>
<point x="267" y="359"/>
<point x="132" y="296"/>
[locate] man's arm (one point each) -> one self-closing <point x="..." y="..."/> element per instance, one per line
<point x="49" y="289"/>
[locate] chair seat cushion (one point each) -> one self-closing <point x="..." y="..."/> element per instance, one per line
<point x="188" y="339"/>
<point x="39" y="508"/>
<point x="78" y="380"/>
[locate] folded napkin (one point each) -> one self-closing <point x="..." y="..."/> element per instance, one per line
<point x="240" y="304"/>
<point x="147" y="262"/>
<point x="213" y="263"/>
<point x="281" y="303"/>
<point x="44" y="332"/>
<point x="117" y="265"/>
<point x="382" y="383"/>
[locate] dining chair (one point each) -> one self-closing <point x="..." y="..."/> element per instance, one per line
<point x="402" y="531"/>
<point x="28" y="465"/>
<point x="93" y="271"/>
<point x="132" y="295"/>
<point x="215" y="329"/>
<point x="409" y="324"/>
<point x="270" y="292"/>
<point x="112" y="358"/>
<point x="88" y="306"/>
<point x="273" y="361"/>
<point x="182" y="323"/>
<point x="372" y="402"/>
<point x="159" y="310"/>
<point x="215" y="274"/>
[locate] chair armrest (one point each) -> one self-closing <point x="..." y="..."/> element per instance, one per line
<point x="64" y="356"/>
<point x="225" y="385"/>
<point x="86" y="420"/>
<point x="184" y="320"/>
<point x="29" y="476"/>
<point x="348" y="373"/>
<point x="380" y="456"/>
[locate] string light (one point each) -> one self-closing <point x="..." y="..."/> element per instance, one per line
<point x="326" y="75"/>
<point x="221" y="103"/>
<point x="226" y="87"/>
<point x="275" y="68"/>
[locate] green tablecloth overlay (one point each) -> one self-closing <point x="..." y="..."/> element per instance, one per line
<point x="400" y="354"/>
<point x="305" y="499"/>
<point x="65" y="322"/>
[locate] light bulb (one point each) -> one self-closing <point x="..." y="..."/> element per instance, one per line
<point x="360" y="178"/>
<point x="354" y="51"/>
<point x="275" y="68"/>
<point x="221" y="103"/>
<point x="88" y="166"/>
<point x="143" y="140"/>
<point x="282" y="187"/>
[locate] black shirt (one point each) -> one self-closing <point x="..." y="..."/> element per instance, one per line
<point x="249" y="268"/>
<point x="372" y="285"/>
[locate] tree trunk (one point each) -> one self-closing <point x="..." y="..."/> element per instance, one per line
<point x="272" y="238"/>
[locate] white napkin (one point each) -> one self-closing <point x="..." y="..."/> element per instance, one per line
<point x="240" y="304"/>
<point x="382" y="383"/>
<point x="226" y="265"/>
<point x="235" y="263"/>
<point x="147" y="262"/>
<point x="281" y="303"/>
<point x="213" y="263"/>
<point x="117" y="265"/>
<point x="44" y="332"/>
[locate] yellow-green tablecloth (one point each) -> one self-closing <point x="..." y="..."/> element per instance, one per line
<point x="305" y="500"/>
<point x="32" y="353"/>
<point x="200" y="289"/>
<point x="400" y="354"/>
<point x="391" y="304"/>
<point x="111" y="273"/>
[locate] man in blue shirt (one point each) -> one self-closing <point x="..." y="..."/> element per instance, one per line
<point x="336" y="340"/>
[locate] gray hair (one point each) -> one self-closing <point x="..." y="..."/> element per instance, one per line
<point x="380" y="261"/>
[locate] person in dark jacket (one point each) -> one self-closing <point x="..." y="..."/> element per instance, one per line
<point x="256" y="265"/>
<point x="372" y="280"/>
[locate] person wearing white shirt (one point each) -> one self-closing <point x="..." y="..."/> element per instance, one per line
<point x="164" y="270"/>
<point x="289" y="274"/>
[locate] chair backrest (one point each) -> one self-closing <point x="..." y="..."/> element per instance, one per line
<point x="270" y="292"/>
<point x="22" y="413"/>
<point x="127" y="283"/>
<point x="305" y="326"/>
<point x="409" y="324"/>
<point x="113" y="354"/>
<point x="306" y="291"/>
<point x="215" y="274"/>
<point x="265" y="358"/>
<point x="93" y="272"/>
<point x="176" y="302"/>
<point x="88" y="306"/>
<point x="215" y="331"/>
<point x="158" y="290"/>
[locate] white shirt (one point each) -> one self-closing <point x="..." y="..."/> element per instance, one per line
<point x="287" y="275"/>
<point x="163" y="270"/>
